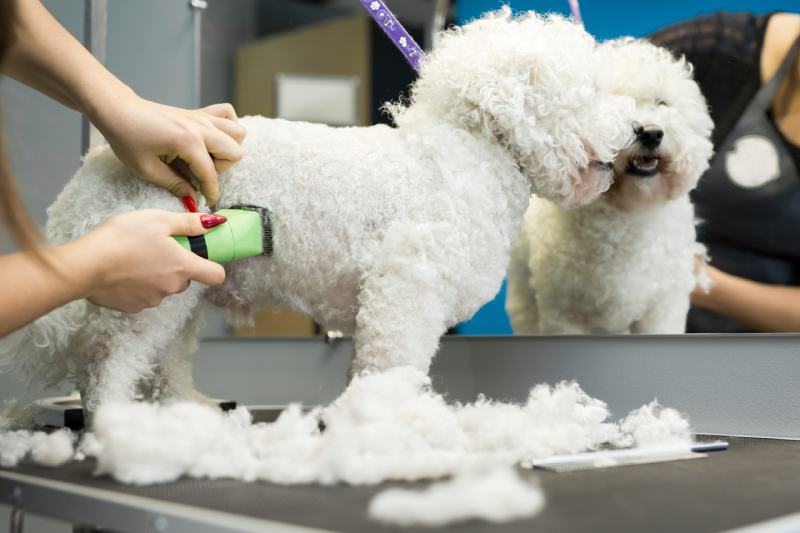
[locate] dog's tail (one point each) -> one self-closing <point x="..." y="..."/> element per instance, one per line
<point x="40" y="350"/>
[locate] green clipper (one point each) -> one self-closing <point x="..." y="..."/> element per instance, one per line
<point x="247" y="233"/>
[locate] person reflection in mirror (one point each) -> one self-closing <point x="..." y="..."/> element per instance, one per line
<point x="748" y="202"/>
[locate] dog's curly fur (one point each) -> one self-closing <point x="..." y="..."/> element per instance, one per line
<point x="625" y="263"/>
<point x="393" y="233"/>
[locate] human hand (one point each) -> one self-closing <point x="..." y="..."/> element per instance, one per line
<point x="137" y="263"/>
<point x="707" y="277"/>
<point x="148" y="136"/>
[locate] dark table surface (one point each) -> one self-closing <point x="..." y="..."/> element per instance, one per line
<point x="755" y="480"/>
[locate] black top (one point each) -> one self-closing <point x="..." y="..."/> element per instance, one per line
<point x="725" y="51"/>
<point x="750" y="229"/>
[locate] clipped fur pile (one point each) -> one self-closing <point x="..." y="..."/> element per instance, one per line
<point x="626" y="262"/>
<point x="386" y="426"/>
<point x="497" y="495"/>
<point x="47" y="449"/>
<point x="393" y="233"/>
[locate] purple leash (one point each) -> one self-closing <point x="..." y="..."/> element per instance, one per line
<point x="403" y="40"/>
<point x="575" y="8"/>
<point x="396" y="32"/>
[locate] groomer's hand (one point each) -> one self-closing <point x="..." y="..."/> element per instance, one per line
<point x="137" y="263"/>
<point x="701" y="297"/>
<point x="148" y="136"/>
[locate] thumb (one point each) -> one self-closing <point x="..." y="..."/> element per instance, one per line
<point x="162" y="175"/>
<point x="191" y="224"/>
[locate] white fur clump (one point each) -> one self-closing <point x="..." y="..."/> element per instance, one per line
<point x="655" y="426"/>
<point x="48" y="449"/>
<point x="624" y="263"/>
<point x="385" y="426"/>
<point x="145" y="443"/>
<point x="362" y="217"/>
<point x="498" y="495"/>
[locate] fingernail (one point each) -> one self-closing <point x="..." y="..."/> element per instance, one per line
<point x="212" y="220"/>
<point x="189" y="204"/>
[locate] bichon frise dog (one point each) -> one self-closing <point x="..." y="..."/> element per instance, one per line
<point x="624" y="263"/>
<point x="393" y="233"/>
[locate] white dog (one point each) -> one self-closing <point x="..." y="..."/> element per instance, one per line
<point x="393" y="233"/>
<point x="625" y="263"/>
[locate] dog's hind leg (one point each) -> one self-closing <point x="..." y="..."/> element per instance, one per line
<point x="114" y="366"/>
<point x="125" y="349"/>
<point x="173" y="378"/>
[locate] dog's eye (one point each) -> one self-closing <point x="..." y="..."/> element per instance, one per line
<point x="661" y="102"/>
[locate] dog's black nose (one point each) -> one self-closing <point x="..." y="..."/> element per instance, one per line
<point x="650" y="136"/>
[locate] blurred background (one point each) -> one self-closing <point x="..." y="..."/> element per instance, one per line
<point x="316" y="60"/>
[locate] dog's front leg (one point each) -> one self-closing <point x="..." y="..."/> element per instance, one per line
<point x="398" y="324"/>
<point x="404" y="302"/>
<point x="665" y="315"/>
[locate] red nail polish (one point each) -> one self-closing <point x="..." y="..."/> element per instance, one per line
<point x="212" y="220"/>
<point x="189" y="204"/>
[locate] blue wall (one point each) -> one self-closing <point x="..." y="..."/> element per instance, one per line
<point x="605" y="19"/>
<point x="613" y="18"/>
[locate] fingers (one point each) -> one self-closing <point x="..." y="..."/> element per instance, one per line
<point x="189" y="224"/>
<point x="222" y="146"/>
<point x="229" y="127"/>
<point x="204" y="271"/>
<point x="224" y="110"/>
<point x="202" y="166"/>
<point x="161" y="174"/>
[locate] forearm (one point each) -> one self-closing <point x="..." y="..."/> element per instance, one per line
<point x="763" y="307"/>
<point x="31" y="288"/>
<point x="48" y="58"/>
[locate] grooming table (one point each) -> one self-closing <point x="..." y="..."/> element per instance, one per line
<point x="728" y="384"/>
<point x="755" y="480"/>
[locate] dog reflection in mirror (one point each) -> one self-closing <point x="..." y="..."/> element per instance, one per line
<point x="626" y="262"/>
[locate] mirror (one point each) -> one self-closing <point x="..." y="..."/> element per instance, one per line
<point x="348" y="68"/>
<point x="325" y="61"/>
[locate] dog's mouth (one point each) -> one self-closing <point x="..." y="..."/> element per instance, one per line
<point x="644" y="165"/>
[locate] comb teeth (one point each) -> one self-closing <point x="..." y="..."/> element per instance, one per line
<point x="266" y="225"/>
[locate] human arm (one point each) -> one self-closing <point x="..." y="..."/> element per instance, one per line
<point x="129" y="263"/>
<point x="761" y="306"/>
<point x="145" y="135"/>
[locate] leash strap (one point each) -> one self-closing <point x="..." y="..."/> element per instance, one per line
<point x="384" y="17"/>
<point x="575" y="9"/>
<point x="396" y="32"/>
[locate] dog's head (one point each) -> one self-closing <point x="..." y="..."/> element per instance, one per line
<point x="673" y="128"/>
<point x="528" y="83"/>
